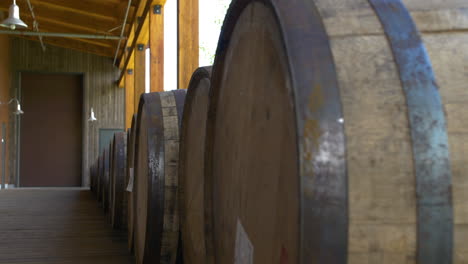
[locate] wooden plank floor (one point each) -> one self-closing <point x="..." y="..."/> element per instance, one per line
<point x="55" y="226"/>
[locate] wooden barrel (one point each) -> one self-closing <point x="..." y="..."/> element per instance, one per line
<point x="337" y="133"/>
<point x="129" y="181"/>
<point x="95" y="175"/>
<point x="110" y="181"/>
<point x="155" y="191"/>
<point x="105" y="180"/>
<point x="191" y="174"/>
<point x="92" y="177"/>
<point x="100" y="174"/>
<point x="118" y="207"/>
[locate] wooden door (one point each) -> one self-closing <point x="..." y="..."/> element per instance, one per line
<point x="51" y="130"/>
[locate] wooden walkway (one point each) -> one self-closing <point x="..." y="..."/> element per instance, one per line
<point x="57" y="226"/>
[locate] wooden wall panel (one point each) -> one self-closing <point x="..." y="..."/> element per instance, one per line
<point x="5" y="83"/>
<point x="100" y="90"/>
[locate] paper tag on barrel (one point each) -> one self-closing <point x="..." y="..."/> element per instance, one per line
<point x="244" y="248"/>
<point x="130" y="181"/>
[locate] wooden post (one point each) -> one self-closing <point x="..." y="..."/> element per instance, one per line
<point x="187" y="54"/>
<point x="156" y="43"/>
<point x="139" y="73"/>
<point x="129" y="97"/>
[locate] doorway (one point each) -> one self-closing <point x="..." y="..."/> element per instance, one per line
<point x="51" y="130"/>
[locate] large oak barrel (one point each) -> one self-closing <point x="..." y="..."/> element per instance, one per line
<point x="337" y="133"/>
<point x="105" y="180"/>
<point x="156" y="161"/>
<point x="191" y="173"/>
<point x="118" y="206"/>
<point x="129" y="181"/>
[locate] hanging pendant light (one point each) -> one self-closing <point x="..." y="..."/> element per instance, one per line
<point x="18" y="110"/>
<point x="92" y="118"/>
<point x="13" y="21"/>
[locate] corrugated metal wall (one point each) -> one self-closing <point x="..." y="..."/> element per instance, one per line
<point x="100" y="91"/>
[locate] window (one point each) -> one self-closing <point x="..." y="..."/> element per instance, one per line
<point x="147" y="70"/>
<point x="170" y="45"/>
<point x="212" y="13"/>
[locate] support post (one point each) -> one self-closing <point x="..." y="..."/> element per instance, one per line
<point x="187" y="54"/>
<point x="156" y="43"/>
<point x="139" y="73"/>
<point x="129" y="97"/>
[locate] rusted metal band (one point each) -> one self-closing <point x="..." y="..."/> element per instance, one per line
<point x="428" y="133"/>
<point x="321" y="137"/>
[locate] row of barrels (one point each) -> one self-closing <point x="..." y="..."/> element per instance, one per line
<point x="108" y="179"/>
<point x="327" y="132"/>
<point x="137" y="178"/>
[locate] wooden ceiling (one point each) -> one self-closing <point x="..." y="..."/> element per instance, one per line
<point x="97" y="17"/>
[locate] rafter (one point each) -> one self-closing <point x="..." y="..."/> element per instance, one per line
<point x="70" y="19"/>
<point x="141" y="36"/>
<point x="97" y="9"/>
<point x="50" y="27"/>
<point x="75" y="45"/>
<point x="142" y="6"/>
<point x="87" y="17"/>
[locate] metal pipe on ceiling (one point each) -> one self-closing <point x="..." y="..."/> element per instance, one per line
<point x="123" y="30"/>
<point x="60" y="35"/>
<point x="36" y="24"/>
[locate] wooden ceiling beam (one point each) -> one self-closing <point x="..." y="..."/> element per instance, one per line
<point x="70" y="19"/>
<point x="101" y="44"/>
<point x="141" y="35"/>
<point x="142" y="11"/>
<point x="95" y="9"/>
<point x="50" y="27"/>
<point x="129" y="40"/>
<point x="133" y="27"/>
<point x="64" y="22"/>
<point x="75" y="45"/>
<point x="81" y="17"/>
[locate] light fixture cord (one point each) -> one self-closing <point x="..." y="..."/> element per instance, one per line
<point x="11" y="101"/>
<point x="36" y="25"/>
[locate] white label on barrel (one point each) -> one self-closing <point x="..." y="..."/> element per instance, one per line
<point x="130" y="181"/>
<point x="244" y="248"/>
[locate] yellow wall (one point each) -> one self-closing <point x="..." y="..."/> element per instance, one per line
<point x="5" y="82"/>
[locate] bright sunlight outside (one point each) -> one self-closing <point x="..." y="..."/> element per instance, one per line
<point x="212" y="13"/>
